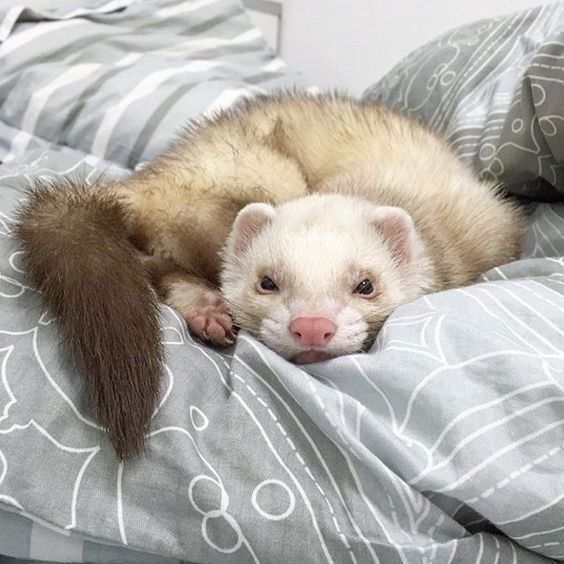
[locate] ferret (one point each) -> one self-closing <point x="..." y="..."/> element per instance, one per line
<point x="304" y="220"/>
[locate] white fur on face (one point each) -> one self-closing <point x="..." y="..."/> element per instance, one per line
<point x="317" y="250"/>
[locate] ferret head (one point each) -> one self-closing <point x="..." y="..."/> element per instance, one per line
<point x="316" y="277"/>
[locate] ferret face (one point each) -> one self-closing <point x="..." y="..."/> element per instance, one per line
<point x="316" y="277"/>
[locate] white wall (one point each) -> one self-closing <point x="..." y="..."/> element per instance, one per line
<point x="351" y="43"/>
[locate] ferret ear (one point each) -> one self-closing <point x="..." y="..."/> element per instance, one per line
<point x="398" y="231"/>
<point x="249" y="223"/>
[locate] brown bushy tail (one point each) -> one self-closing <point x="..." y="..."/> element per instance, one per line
<point x="78" y="255"/>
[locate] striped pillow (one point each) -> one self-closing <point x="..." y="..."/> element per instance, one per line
<point x="116" y="79"/>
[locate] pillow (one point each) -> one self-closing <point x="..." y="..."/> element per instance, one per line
<point x="65" y="9"/>
<point x="494" y="90"/>
<point x="117" y="79"/>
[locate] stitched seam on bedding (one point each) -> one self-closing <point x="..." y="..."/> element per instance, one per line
<point x="300" y="459"/>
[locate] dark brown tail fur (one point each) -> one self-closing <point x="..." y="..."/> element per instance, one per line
<point x="78" y="255"/>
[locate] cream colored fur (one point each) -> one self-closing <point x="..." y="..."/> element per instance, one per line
<point x="280" y="149"/>
<point x="318" y="249"/>
<point x="330" y="213"/>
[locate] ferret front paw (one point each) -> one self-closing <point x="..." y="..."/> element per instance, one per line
<point x="210" y="320"/>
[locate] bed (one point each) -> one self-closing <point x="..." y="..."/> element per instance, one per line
<point x="443" y="443"/>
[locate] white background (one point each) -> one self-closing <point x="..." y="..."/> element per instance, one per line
<point x="351" y="43"/>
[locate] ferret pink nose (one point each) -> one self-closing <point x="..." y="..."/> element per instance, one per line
<point x="312" y="331"/>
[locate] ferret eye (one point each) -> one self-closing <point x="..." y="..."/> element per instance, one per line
<point x="267" y="285"/>
<point x="365" y="288"/>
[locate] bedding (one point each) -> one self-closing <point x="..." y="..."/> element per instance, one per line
<point x="494" y="90"/>
<point x="443" y="443"/>
<point x="117" y="79"/>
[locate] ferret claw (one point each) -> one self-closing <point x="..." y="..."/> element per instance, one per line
<point x="211" y="324"/>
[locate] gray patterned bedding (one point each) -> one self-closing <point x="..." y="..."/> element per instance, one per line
<point x="444" y="443"/>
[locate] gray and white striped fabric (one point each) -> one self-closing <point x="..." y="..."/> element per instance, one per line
<point x="117" y="79"/>
<point x="444" y="443"/>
